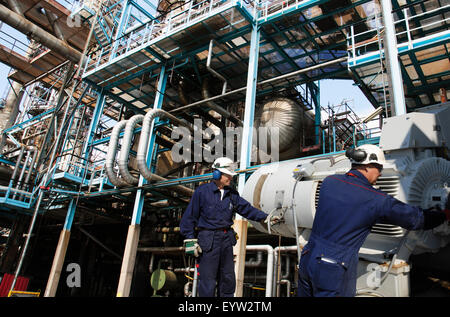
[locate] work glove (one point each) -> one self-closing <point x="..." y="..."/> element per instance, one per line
<point x="191" y="247"/>
<point x="272" y="220"/>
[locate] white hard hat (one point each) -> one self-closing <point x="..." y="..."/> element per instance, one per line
<point x="366" y="154"/>
<point x="225" y="165"/>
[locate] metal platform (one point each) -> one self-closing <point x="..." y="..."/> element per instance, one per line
<point x="154" y="42"/>
<point x="423" y="38"/>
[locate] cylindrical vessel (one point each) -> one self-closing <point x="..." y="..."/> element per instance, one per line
<point x="293" y="123"/>
<point x="273" y="189"/>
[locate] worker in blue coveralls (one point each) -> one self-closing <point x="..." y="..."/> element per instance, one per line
<point x="206" y="226"/>
<point x="348" y="207"/>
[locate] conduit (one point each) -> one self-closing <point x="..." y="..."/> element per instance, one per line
<point x="277" y="254"/>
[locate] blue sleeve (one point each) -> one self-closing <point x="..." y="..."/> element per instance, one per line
<point x="410" y="217"/>
<point x="190" y="216"/>
<point x="246" y="210"/>
<point x="395" y="212"/>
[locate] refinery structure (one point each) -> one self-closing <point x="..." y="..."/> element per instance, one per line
<point x="92" y="178"/>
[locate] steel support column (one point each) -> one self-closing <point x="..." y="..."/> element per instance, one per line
<point x="60" y="253"/>
<point x="98" y="111"/>
<point x="240" y="224"/>
<point x="396" y="92"/>
<point x="129" y="256"/>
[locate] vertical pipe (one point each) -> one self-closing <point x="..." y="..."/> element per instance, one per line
<point x="240" y="224"/>
<point x="129" y="257"/>
<point x="22" y="172"/>
<point x="30" y="171"/>
<point x="16" y="168"/>
<point x="396" y="92"/>
<point x="317" y="114"/>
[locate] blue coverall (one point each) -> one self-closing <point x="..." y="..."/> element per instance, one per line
<point x="212" y="218"/>
<point x="348" y="207"/>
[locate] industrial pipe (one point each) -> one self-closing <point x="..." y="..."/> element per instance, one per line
<point x="33" y="163"/>
<point x="146" y="134"/>
<point x="111" y="155"/>
<point x="211" y="70"/>
<point x="277" y="254"/>
<point x="40" y="35"/>
<point x="125" y="150"/>
<point x="264" y="82"/>
<point x="269" y="273"/>
<point x="24" y="167"/>
<point x="220" y="110"/>
<point x="128" y="179"/>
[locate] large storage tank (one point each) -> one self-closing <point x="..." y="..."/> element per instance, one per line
<point x="294" y="125"/>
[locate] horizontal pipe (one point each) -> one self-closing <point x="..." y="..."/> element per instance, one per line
<point x="264" y="82"/>
<point x="30" y="29"/>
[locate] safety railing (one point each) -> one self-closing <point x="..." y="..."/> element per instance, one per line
<point x="270" y="8"/>
<point x="141" y="35"/>
<point x="432" y="23"/>
<point x="10" y="42"/>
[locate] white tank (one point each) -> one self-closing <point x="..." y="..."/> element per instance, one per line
<point x="293" y="123"/>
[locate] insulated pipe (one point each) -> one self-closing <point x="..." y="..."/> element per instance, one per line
<point x="146" y="135"/>
<point x="125" y="150"/>
<point x="111" y="155"/>
<point x="40" y="35"/>
<point x="146" y="132"/>
<point x="398" y="105"/>
<point x="269" y="273"/>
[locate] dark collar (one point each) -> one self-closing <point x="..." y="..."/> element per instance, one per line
<point x="357" y="174"/>
<point x="213" y="187"/>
